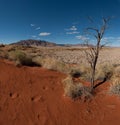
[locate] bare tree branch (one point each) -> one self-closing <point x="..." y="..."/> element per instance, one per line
<point x="92" y="52"/>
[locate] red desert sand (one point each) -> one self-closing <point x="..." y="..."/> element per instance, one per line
<point x="35" y="96"/>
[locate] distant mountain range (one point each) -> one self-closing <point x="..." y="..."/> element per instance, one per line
<point x="31" y="42"/>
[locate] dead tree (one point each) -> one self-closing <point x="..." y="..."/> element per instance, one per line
<point x="92" y="51"/>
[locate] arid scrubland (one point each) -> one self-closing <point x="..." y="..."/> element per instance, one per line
<point x="70" y="55"/>
<point x="61" y="56"/>
<point x="71" y="61"/>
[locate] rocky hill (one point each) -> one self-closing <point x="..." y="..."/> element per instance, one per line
<point x="31" y="42"/>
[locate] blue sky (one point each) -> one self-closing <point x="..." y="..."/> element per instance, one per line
<point x="60" y="21"/>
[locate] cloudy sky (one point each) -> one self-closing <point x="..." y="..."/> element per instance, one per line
<point x="60" y="21"/>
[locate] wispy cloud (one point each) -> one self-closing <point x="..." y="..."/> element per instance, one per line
<point x="111" y="39"/>
<point x="74" y="32"/>
<point x="106" y="40"/>
<point x="73" y="28"/>
<point x="32" y="25"/>
<point x="83" y="38"/>
<point x="44" y="34"/>
<point x="38" y="28"/>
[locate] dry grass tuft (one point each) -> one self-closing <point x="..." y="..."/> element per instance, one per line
<point x="38" y="60"/>
<point x="2" y="45"/>
<point x="81" y="71"/>
<point x="74" y="90"/>
<point x="53" y="64"/>
<point x="21" y="58"/>
<point x="104" y="71"/>
<point x="115" y="86"/>
<point x="70" y="89"/>
<point x="3" y="54"/>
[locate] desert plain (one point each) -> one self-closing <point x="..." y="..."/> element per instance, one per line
<point x="34" y="94"/>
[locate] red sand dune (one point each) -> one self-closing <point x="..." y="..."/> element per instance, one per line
<point x="34" y="96"/>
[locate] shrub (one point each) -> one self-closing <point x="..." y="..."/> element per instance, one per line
<point x="117" y="72"/>
<point x="52" y="64"/>
<point x="104" y="71"/>
<point x="70" y="89"/>
<point x="74" y="90"/>
<point x="62" y="67"/>
<point x="81" y="71"/>
<point x="49" y="63"/>
<point x="115" y="87"/>
<point x="85" y="72"/>
<point x="38" y="60"/>
<point x="2" y="45"/>
<point x="21" y="58"/>
<point x="75" y="72"/>
<point x="3" y="54"/>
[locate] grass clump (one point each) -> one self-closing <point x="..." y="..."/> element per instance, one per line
<point x="21" y="58"/>
<point x="70" y="89"/>
<point x="81" y="71"/>
<point x="74" y="90"/>
<point x="51" y="64"/>
<point x="38" y="60"/>
<point x="115" y="86"/>
<point x="104" y="71"/>
<point x="75" y="72"/>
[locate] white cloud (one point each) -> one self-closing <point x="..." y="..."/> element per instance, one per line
<point x="44" y="34"/>
<point x="111" y="39"/>
<point x="74" y="32"/>
<point x="83" y="38"/>
<point x="32" y="25"/>
<point x="115" y="41"/>
<point x="38" y="28"/>
<point x="73" y="28"/>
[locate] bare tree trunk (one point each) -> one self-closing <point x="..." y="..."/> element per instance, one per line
<point x="93" y="53"/>
<point x="92" y="79"/>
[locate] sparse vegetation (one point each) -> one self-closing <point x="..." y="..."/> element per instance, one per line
<point x="2" y="45"/>
<point x="66" y="60"/>
<point x="115" y="85"/>
<point x="38" y="60"/>
<point x="70" y="89"/>
<point x="52" y="64"/>
<point x="104" y="71"/>
<point x="21" y="58"/>
<point x="92" y="51"/>
<point x="74" y="90"/>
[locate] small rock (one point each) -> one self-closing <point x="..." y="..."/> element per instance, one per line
<point x="13" y="95"/>
<point x="36" y="98"/>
